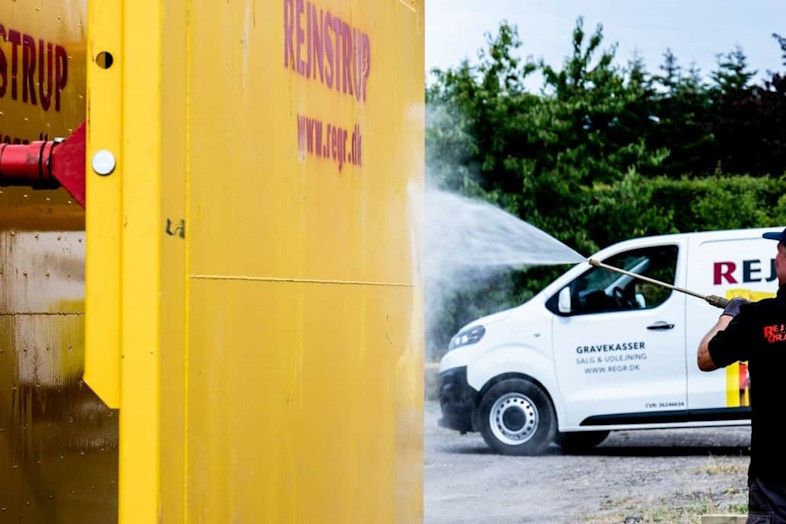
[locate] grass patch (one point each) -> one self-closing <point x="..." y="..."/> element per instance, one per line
<point x="725" y="468"/>
<point x="685" y="509"/>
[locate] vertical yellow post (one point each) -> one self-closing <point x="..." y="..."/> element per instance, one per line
<point x="123" y="228"/>
<point x="140" y="263"/>
<point x="103" y="215"/>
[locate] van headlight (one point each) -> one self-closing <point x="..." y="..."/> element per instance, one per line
<point x="467" y="337"/>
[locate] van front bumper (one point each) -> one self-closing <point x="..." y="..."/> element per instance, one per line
<point x="457" y="399"/>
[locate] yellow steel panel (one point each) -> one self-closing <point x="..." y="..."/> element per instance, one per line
<point x="174" y="270"/>
<point x="304" y="394"/>
<point x="140" y="263"/>
<point x="317" y="436"/>
<point x="316" y="216"/>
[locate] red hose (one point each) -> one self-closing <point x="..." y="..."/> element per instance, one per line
<point x="47" y="165"/>
<point x="27" y="165"/>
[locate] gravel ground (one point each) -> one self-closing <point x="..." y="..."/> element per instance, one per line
<point x="632" y="477"/>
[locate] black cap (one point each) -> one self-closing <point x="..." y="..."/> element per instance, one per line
<point x="774" y="235"/>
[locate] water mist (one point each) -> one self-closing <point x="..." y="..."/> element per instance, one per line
<point x="470" y="244"/>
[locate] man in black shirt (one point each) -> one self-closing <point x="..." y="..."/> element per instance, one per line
<point x="756" y="333"/>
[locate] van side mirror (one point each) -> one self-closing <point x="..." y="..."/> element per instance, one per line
<point x="563" y="301"/>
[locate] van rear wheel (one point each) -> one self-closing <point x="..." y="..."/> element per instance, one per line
<point x="517" y="418"/>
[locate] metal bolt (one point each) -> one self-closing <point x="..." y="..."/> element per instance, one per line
<point x="103" y="162"/>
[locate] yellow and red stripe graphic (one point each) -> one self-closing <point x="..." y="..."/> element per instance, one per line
<point x="737" y="378"/>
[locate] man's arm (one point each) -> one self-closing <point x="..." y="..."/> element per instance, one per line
<point x="704" y="358"/>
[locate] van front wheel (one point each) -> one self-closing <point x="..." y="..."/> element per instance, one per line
<point x="517" y="418"/>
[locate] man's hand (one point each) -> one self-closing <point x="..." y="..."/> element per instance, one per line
<point x="733" y="307"/>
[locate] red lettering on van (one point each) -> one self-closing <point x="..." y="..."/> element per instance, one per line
<point x="724" y="270"/>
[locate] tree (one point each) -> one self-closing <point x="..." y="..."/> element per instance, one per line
<point x="672" y="72"/>
<point x="592" y="129"/>
<point x="772" y="115"/>
<point x="736" y="126"/>
<point x="682" y="112"/>
<point x="782" y="42"/>
<point x="732" y="76"/>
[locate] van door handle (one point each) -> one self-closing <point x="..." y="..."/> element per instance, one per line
<point x="660" y="324"/>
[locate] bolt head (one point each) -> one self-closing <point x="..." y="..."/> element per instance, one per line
<point x="103" y="162"/>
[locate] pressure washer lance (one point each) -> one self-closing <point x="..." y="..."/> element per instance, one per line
<point x="713" y="300"/>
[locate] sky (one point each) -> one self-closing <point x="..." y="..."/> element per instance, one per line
<point x="695" y="30"/>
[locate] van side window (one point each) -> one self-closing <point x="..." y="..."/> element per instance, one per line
<point x="601" y="290"/>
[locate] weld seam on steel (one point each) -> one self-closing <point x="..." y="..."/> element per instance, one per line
<point x="300" y="280"/>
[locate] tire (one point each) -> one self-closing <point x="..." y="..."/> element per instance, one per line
<point x="581" y="441"/>
<point x="517" y="418"/>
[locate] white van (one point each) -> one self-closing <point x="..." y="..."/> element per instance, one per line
<point x="598" y="351"/>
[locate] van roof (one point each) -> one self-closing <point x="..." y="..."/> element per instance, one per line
<point x="700" y="236"/>
<point x="730" y="234"/>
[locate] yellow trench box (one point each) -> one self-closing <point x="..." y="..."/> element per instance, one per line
<point x="231" y="330"/>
